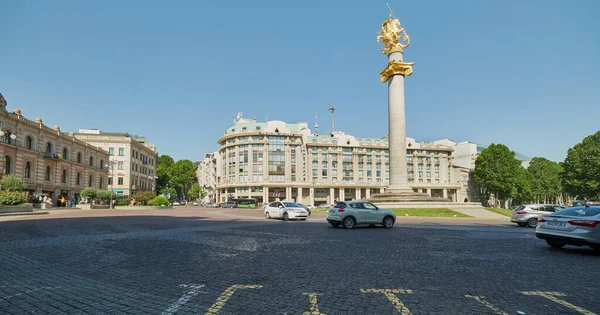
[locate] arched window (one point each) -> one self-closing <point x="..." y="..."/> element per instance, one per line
<point x="78" y="179"/>
<point x="91" y="161"/>
<point x="65" y="153"/>
<point x="48" y="173"/>
<point x="90" y="181"/>
<point x="79" y="158"/>
<point x="7" y="165"/>
<point x="101" y="182"/>
<point x="101" y="164"/>
<point x="64" y="177"/>
<point x="29" y="143"/>
<point x="49" y="148"/>
<point x="28" y="170"/>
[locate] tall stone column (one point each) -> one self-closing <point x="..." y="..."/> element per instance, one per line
<point x="311" y="196"/>
<point x="397" y="127"/>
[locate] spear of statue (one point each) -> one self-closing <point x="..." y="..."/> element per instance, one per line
<point x="391" y="11"/>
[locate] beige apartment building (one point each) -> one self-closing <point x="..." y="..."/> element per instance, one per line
<point x="50" y="162"/>
<point x="206" y="172"/>
<point x="277" y="160"/>
<point x="133" y="160"/>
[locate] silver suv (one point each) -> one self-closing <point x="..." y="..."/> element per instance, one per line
<point x="528" y="215"/>
<point x="352" y="213"/>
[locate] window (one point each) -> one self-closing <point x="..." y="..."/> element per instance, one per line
<point x="64" y="177"/>
<point x="7" y="165"/>
<point x="79" y="157"/>
<point x="121" y="151"/>
<point x="29" y="143"/>
<point x="65" y="154"/>
<point x="91" y="161"/>
<point x="101" y="182"/>
<point x="111" y="151"/>
<point x="90" y="180"/>
<point x="48" y="147"/>
<point x="120" y="181"/>
<point x="78" y="179"/>
<point x="101" y="164"/>
<point x="48" y="173"/>
<point x="110" y="181"/>
<point x="120" y="165"/>
<point x="437" y="167"/>
<point x="28" y="170"/>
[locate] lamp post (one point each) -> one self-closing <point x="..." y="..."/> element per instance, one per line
<point x="111" y="167"/>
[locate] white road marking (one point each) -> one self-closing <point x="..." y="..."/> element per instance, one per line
<point x="195" y="289"/>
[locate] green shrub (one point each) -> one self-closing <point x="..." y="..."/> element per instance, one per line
<point x="12" y="183"/>
<point x="161" y="201"/>
<point x="142" y="197"/>
<point x="11" y="198"/>
<point x="123" y="202"/>
<point x="152" y="202"/>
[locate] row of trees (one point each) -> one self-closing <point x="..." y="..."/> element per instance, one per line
<point x="503" y="179"/>
<point x="177" y="179"/>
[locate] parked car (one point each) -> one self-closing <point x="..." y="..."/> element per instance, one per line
<point x="285" y="210"/>
<point x="579" y="226"/>
<point x="305" y="207"/>
<point x="195" y="203"/>
<point x="528" y="215"/>
<point x="325" y="205"/>
<point x="211" y="205"/>
<point x="352" y="213"/>
<point x="229" y="204"/>
<point x="176" y="203"/>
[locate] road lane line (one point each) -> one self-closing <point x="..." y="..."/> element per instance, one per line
<point x="314" y="304"/>
<point x="195" y="289"/>
<point x="391" y="295"/>
<point x="480" y="299"/>
<point x="552" y="296"/>
<point x="226" y="295"/>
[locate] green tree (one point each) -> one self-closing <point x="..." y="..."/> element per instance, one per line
<point x="12" y="183"/>
<point x="171" y="191"/>
<point x="196" y="192"/>
<point x="580" y="176"/>
<point x="183" y="176"/>
<point x="497" y="171"/>
<point x="525" y="186"/>
<point x="163" y="171"/>
<point x="90" y="193"/>
<point x="546" y="180"/>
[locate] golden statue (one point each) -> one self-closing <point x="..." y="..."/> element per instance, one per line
<point x="394" y="36"/>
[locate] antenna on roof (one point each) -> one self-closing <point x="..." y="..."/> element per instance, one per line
<point x="316" y="122"/>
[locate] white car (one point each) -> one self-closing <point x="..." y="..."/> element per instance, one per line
<point x="285" y="210"/>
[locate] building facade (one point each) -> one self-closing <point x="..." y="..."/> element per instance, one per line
<point x="133" y="160"/>
<point x="50" y="162"/>
<point x="277" y="160"/>
<point x="207" y="172"/>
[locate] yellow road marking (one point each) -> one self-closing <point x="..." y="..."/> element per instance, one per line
<point x="226" y="295"/>
<point x="552" y="296"/>
<point x="314" y="304"/>
<point x="480" y="299"/>
<point x="391" y="295"/>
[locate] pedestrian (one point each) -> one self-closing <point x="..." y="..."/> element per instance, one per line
<point x="73" y="202"/>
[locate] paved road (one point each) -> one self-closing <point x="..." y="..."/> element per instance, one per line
<point x="192" y="261"/>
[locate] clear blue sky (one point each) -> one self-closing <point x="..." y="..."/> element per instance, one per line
<point x="522" y="73"/>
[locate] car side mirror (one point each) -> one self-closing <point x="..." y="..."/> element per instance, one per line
<point x="280" y="206"/>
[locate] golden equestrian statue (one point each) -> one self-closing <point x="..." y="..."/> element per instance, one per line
<point x="393" y="35"/>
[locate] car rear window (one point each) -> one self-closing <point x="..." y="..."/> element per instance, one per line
<point x="519" y="208"/>
<point x="580" y="211"/>
<point x="340" y="205"/>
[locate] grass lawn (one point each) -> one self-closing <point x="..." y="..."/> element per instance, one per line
<point x="429" y="212"/>
<point x="503" y="212"/>
<point x="319" y="210"/>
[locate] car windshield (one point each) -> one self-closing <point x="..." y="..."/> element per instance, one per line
<point x="291" y="205"/>
<point x="580" y="211"/>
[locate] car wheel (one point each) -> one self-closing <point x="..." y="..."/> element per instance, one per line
<point x="388" y="222"/>
<point x="335" y="224"/>
<point x="286" y="217"/>
<point x="302" y="219"/>
<point x="267" y="215"/>
<point x="555" y="244"/>
<point x="533" y="222"/>
<point x="522" y="224"/>
<point x="349" y="222"/>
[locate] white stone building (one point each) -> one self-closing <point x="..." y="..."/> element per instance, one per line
<point x="133" y="160"/>
<point x="207" y="174"/>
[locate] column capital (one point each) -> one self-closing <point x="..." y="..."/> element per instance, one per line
<point x="396" y="68"/>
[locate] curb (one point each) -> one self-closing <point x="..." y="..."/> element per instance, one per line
<point x="9" y="214"/>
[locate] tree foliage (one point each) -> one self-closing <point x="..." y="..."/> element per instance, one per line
<point x="163" y="171"/>
<point x="143" y="196"/>
<point x="171" y="191"/>
<point x="498" y="172"/>
<point x="545" y="179"/>
<point x="90" y="193"/>
<point x="196" y="192"/>
<point x="182" y="176"/>
<point x="581" y="168"/>
<point x="12" y="183"/>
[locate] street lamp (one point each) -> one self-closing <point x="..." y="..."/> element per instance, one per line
<point x="111" y="166"/>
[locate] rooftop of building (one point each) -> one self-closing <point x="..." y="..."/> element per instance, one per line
<point x="97" y="132"/>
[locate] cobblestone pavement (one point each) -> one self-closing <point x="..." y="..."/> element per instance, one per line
<point x="195" y="262"/>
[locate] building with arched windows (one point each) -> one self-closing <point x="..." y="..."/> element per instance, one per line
<point x="278" y="160"/>
<point x="49" y="161"/>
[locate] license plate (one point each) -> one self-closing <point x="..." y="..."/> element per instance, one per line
<point x="556" y="223"/>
